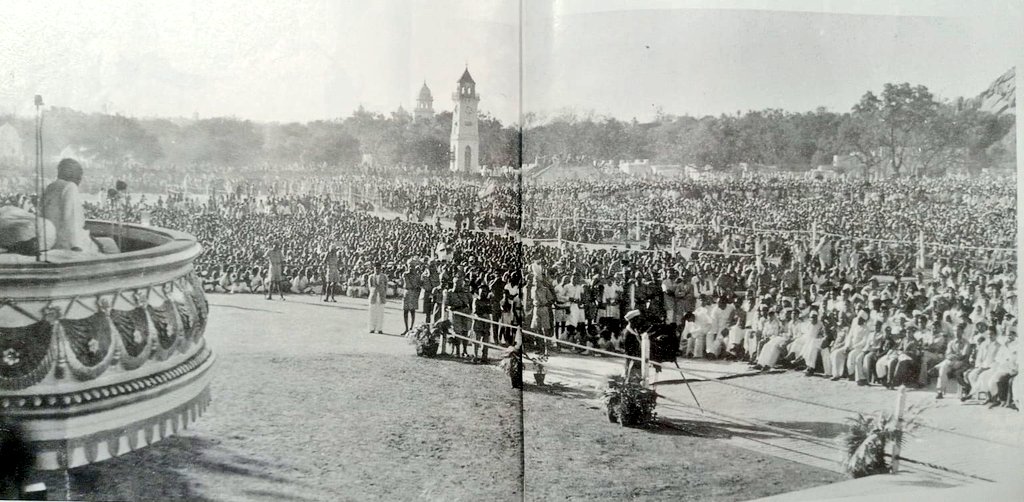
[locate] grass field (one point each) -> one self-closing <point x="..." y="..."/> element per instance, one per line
<point x="308" y="406"/>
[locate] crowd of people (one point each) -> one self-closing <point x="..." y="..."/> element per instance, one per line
<point x="950" y="214"/>
<point x="829" y="277"/>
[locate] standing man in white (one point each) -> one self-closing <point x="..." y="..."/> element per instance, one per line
<point x="377" y="283"/>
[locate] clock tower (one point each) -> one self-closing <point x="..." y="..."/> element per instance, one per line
<point x="465" y="144"/>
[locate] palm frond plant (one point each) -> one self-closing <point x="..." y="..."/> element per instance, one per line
<point x="869" y="440"/>
<point x="426" y="339"/>
<point x="629" y="402"/>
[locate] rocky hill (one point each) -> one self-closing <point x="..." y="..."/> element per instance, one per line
<point x="1001" y="96"/>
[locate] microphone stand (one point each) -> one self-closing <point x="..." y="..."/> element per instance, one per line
<point x="122" y="214"/>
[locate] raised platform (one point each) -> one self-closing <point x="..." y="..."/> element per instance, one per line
<point x="104" y="354"/>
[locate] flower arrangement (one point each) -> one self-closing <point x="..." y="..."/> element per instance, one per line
<point x="629" y="402"/>
<point x="868" y="438"/>
<point x="426" y="340"/>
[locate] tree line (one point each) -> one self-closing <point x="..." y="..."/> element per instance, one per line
<point x="385" y="140"/>
<point x="903" y="128"/>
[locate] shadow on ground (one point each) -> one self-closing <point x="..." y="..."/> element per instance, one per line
<point x="709" y="429"/>
<point x="158" y="472"/>
<point x="561" y="390"/>
<point x="823" y="430"/>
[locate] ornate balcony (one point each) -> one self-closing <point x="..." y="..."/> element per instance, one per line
<point x="103" y="355"/>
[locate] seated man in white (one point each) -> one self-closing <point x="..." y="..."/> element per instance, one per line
<point x="62" y="205"/>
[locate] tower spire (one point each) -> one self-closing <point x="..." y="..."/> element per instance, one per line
<point x="465" y="140"/>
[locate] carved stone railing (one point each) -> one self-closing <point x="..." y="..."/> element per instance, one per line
<point x="104" y="355"/>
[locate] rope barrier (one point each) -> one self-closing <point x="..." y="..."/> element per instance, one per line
<point x="783" y="431"/>
<point x="714" y="379"/>
<point x="633" y="250"/>
<point x="570" y="344"/>
<point x="780" y="430"/>
<point x="480" y="342"/>
<point x="818" y="441"/>
<point x="772" y="230"/>
<point x="941" y="468"/>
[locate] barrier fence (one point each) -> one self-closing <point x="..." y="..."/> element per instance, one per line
<point x="812" y="231"/>
<point x="646" y="363"/>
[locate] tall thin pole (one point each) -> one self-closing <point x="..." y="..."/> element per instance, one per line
<point x="39" y="192"/>
<point x="40" y="236"/>
<point x="645" y="357"/>
<point x="901" y="400"/>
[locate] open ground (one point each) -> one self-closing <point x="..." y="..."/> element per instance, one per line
<point x="308" y="406"/>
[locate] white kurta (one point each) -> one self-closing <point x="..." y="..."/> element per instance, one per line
<point x="810" y="347"/>
<point x="61" y="205"/>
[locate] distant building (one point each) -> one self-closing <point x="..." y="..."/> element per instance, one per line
<point x="637" y="167"/>
<point x="424" y="104"/>
<point x="10" y="143"/>
<point x="850" y="165"/>
<point x="465" y="142"/>
<point x="668" y="170"/>
<point x="644" y="167"/>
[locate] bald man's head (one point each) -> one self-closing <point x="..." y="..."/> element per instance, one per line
<point x="70" y="170"/>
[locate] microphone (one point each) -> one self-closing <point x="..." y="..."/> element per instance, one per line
<point x="122" y="189"/>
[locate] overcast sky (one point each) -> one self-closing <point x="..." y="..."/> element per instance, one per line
<point x="307" y="60"/>
<point x="613" y="58"/>
<point x="264" y="60"/>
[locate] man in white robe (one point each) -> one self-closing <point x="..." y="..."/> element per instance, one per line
<point x="986" y="355"/>
<point x="376" y="283"/>
<point x="697" y="343"/>
<point x="720" y="317"/>
<point x="778" y="335"/>
<point x="62" y="205"/>
<point x="855" y="345"/>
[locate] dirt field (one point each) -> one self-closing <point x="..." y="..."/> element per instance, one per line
<point x="574" y="453"/>
<point x="308" y="406"/>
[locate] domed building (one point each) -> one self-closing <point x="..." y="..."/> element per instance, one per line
<point x="424" y="104"/>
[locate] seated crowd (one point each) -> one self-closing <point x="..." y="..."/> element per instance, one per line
<point x="858" y="306"/>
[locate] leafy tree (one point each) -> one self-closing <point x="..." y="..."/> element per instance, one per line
<point x="328" y="143"/>
<point x="220" y="142"/>
<point x="895" y="121"/>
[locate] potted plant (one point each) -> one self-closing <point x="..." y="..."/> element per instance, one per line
<point x="512" y="363"/>
<point x="629" y="402"/>
<point x="868" y="438"/>
<point x="538" y="368"/>
<point x="426" y="339"/>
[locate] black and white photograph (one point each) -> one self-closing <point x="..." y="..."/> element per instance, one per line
<point x="511" y="250"/>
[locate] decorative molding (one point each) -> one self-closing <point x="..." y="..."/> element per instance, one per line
<point x="97" y="394"/>
<point x="105" y="355"/>
<point x="88" y="346"/>
<point x="79" y="451"/>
